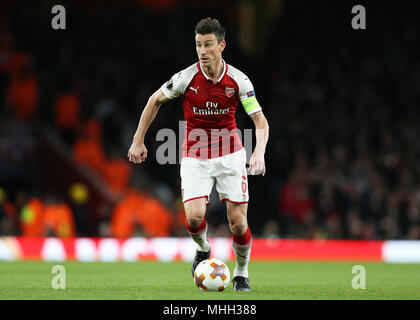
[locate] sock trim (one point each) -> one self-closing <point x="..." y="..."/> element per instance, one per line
<point x="197" y="230"/>
<point x="244" y="239"/>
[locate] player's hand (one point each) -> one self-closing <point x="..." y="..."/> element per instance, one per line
<point x="256" y="164"/>
<point x="137" y="153"/>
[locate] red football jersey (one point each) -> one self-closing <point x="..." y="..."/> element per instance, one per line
<point x="209" y="109"/>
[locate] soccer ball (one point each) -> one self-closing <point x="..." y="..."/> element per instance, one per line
<point x="212" y="275"/>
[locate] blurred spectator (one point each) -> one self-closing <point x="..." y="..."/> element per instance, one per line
<point x="414" y="232"/>
<point x="8" y="215"/>
<point x="58" y="218"/>
<point x="32" y="218"/>
<point x="67" y="115"/>
<point x="104" y="223"/>
<point x="88" y="149"/>
<point x="67" y="111"/>
<point x="140" y="214"/>
<point x="117" y="173"/>
<point x="296" y="204"/>
<point x="79" y="203"/>
<point x="23" y="93"/>
<point x="271" y="230"/>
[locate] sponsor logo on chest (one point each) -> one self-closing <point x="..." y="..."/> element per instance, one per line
<point x="212" y="108"/>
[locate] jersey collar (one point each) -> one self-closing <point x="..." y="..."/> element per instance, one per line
<point x="223" y="73"/>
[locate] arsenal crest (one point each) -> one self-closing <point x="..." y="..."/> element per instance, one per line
<point x="229" y="91"/>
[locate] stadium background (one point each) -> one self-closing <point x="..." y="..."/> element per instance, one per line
<point x="342" y="104"/>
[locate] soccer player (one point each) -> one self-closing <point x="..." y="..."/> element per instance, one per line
<point x="212" y="151"/>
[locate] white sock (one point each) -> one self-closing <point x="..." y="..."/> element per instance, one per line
<point x="202" y="243"/>
<point x="200" y="240"/>
<point x="242" y="254"/>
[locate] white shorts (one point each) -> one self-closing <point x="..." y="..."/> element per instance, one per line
<point x="228" y="172"/>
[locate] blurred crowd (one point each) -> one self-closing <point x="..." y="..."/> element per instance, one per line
<point x="346" y="132"/>
<point x="343" y="160"/>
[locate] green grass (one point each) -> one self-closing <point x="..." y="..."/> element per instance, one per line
<point x="158" y="280"/>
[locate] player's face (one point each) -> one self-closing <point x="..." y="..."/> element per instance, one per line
<point x="209" y="50"/>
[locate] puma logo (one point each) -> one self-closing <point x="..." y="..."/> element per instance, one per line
<point x="194" y="89"/>
<point x="244" y="257"/>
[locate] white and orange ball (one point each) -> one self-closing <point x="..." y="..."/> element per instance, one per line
<point x="212" y="275"/>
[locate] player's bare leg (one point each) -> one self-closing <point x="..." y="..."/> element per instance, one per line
<point x="195" y="211"/>
<point x="241" y="243"/>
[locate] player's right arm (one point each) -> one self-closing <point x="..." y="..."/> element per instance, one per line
<point x="171" y="89"/>
<point x="138" y="152"/>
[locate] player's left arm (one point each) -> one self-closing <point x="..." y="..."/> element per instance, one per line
<point x="257" y="162"/>
<point x="253" y="109"/>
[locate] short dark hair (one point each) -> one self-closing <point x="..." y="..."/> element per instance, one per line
<point x="208" y="26"/>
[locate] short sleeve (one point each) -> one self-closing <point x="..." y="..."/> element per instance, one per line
<point x="173" y="87"/>
<point x="177" y="84"/>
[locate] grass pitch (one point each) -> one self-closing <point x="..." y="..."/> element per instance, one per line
<point x="147" y="280"/>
